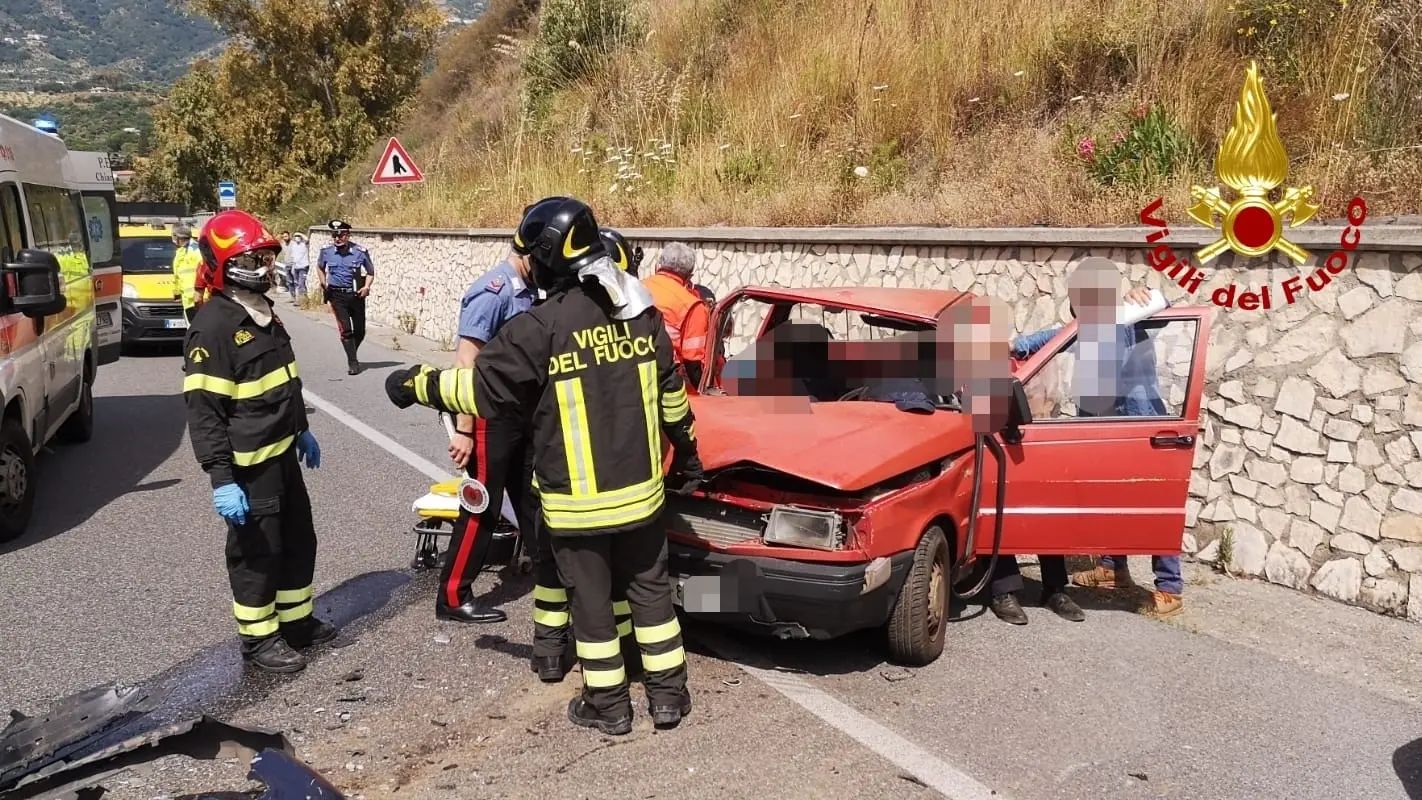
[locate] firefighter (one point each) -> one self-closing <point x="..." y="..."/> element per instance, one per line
<point x="186" y="260"/>
<point x="247" y="421"/>
<point x="688" y="322"/>
<point x="593" y="362"/>
<point x="552" y="622"/>
<point x="340" y="267"/>
<point x="623" y="254"/>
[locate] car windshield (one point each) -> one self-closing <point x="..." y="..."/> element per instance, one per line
<point x="147" y="256"/>
<point x="825" y="353"/>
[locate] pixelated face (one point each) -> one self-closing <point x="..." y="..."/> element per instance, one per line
<point x="973" y="354"/>
<point x="1094" y="288"/>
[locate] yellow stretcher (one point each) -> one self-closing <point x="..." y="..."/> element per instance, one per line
<point x="438" y="510"/>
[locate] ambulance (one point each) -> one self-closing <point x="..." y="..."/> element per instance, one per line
<point x="49" y="354"/>
<point x="93" y="175"/>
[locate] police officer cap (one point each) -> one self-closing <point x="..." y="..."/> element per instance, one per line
<point x="560" y="236"/>
<point x="340" y="225"/>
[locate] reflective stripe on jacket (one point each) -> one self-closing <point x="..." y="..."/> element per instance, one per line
<point x="601" y="394"/>
<point x="687" y="320"/>
<point x="242" y="389"/>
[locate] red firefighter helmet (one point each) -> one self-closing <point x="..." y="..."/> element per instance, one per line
<point x="236" y="247"/>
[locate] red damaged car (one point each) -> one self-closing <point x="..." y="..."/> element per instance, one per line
<point x="832" y="507"/>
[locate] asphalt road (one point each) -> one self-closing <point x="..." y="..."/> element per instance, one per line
<point x="1257" y="692"/>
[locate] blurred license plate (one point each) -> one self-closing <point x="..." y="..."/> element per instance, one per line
<point x="175" y="323"/>
<point x="106" y="319"/>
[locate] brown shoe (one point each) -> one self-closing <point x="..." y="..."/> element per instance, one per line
<point x="1102" y="578"/>
<point x="1163" y="605"/>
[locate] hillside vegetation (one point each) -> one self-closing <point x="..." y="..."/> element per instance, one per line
<point x="112" y="123"/>
<point x="773" y="112"/>
<point x="147" y="40"/>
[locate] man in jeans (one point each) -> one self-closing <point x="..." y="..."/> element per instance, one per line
<point x="1138" y="395"/>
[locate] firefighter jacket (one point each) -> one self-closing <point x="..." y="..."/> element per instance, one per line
<point x="242" y="390"/>
<point x="602" y="394"/>
<point x="185" y="271"/>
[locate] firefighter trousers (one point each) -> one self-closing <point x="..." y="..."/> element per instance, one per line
<point x="271" y="557"/>
<point x="552" y="619"/>
<point x="349" y="310"/>
<point x="497" y="461"/>
<point x="590" y="566"/>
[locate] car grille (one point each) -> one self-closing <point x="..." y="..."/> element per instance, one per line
<point x="717" y="523"/>
<point x="166" y="311"/>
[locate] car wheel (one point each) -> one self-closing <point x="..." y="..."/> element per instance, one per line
<point x="17" y="485"/>
<point x="920" y="617"/>
<point x="79" y="428"/>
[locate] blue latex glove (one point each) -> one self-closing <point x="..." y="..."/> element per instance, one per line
<point x="308" y="449"/>
<point x="231" y="502"/>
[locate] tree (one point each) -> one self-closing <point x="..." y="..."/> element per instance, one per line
<point x="305" y="87"/>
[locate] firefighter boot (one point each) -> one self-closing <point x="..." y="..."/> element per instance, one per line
<point x="583" y="714"/>
<point x="552" y="669"/>
<point x="272" y="654"/>
<point x="669" y="716"/>
<point x="308" y="632"/>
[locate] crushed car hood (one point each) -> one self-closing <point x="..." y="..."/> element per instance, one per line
<point x="845" y="445"/>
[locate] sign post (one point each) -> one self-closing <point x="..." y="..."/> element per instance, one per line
<point x="227" y="194"/>
<point x="396" y="166"/>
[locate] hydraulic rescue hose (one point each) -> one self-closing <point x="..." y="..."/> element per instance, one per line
<point x="983" y="440"/>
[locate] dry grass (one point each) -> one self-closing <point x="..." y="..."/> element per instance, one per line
<point x="757" y="112"/>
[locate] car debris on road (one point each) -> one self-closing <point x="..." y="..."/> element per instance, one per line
<point x="67" y="751"/>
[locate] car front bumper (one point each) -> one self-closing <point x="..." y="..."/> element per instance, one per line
<point x="153" y="321"/>
<point x="781" y="597"/>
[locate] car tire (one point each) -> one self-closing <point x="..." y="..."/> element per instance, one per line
<point x="79" y="428"/>
<point x="17" y="480"/>
<point x="919" y="620"/>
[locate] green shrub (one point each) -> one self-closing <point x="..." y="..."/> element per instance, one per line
<point x="1155" y="147"/>
<point x="574" y="38"/>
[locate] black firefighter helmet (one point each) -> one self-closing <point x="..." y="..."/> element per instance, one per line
<point x="623" y="254"/>
<point x="560" y="236"/>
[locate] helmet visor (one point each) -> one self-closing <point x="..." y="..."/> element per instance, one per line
<point x="256" y="263"/>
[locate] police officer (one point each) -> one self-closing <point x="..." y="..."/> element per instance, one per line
<point x="186" y="261"/>
<point x="593" y="361"/>
<point x="340" y="267"/>
<point x="483" y="447"/>
<point x="247" y="420"/>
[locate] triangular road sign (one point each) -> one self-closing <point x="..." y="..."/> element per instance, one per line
<point x="396" y="166"/>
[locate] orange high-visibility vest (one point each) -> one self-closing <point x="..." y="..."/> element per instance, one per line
<point x="676" y="301"/>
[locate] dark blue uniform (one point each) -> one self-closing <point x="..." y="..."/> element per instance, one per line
<point x="495" y="298"/>
<point x="501" y="458"/>
<point x="344" y="267"/>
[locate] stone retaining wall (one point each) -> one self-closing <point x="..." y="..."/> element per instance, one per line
<point x="1308" y="472"/>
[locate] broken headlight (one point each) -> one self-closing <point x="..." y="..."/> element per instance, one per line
<point x="803" y="527"/>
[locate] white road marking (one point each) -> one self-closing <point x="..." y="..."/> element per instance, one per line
<point x="933" y="771"/>
<point x="936" y="773"/>
<point x="382" y="441"/>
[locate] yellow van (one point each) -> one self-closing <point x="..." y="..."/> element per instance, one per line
<point x="152" y="307"/>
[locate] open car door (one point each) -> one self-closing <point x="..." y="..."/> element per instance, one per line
<point x="1104" y="485"/>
